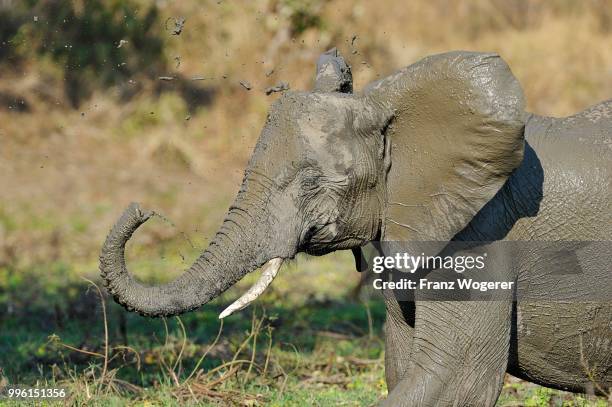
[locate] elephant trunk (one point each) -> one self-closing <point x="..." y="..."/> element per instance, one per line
<point x="241" y="245"/>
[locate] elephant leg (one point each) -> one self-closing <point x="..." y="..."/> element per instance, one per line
<point x="398" y="339"/>
<point x="459" y="355"/>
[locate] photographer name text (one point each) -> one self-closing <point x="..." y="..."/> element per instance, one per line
<point x="407" y="263"/>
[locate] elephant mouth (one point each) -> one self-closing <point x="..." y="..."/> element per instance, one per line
<point x="268" y="273"/>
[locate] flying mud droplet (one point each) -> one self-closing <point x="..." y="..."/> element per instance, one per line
<point x="279" y="87"/>
<point x="246" y="85"/>
<point x="354" y="50"/>
<point x="179" y="24"/>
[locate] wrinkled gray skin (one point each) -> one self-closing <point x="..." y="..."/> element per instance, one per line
<point x="440" y="150"/>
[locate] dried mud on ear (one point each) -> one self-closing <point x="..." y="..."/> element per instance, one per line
<point x="456" y="135"/>
<point x="333" y="74"/>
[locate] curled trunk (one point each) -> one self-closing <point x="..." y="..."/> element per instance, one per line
<point x="231" y="255"/>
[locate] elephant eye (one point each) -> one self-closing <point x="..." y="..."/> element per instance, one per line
<point x="311" y="183"/>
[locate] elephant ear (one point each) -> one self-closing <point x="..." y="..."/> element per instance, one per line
<point x="456" y="136"/>
<point x="333" y="74"/>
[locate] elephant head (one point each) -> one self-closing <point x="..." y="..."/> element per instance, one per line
<point x="414" y="156"/>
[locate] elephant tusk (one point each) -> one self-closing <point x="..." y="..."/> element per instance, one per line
<point x="270" y="270"/>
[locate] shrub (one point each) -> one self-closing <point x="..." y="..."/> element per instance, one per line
<point x="95" y="42"/>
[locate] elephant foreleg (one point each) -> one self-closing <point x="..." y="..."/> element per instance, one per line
<point x="399" y="331"/>
<point x="459" y="355"/>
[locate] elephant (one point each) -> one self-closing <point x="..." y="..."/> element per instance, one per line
<point x="442" y="150"/>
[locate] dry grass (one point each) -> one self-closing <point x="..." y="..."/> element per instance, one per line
<point x="256" y="363"/>
<point x="87" y="164"/>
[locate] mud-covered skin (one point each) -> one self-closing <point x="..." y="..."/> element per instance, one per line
<point x="315" y="184"/>
<point x="561" y="191"/>
<point x="556" y="343"/>
<point x="441" y="150"/>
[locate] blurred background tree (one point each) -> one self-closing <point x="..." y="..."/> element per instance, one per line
<point x="95" y="42"/>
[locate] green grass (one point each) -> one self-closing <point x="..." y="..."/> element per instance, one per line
<point x="315" y="350"/>
<point x="307" y="346"/>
